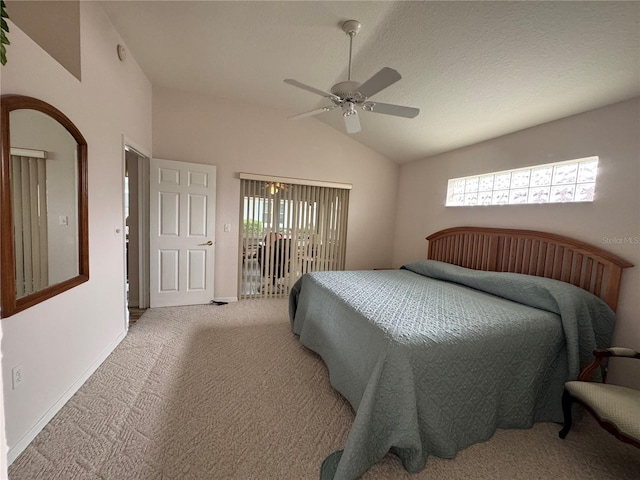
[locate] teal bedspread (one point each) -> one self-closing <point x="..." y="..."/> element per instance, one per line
<point x="434" y="358"/>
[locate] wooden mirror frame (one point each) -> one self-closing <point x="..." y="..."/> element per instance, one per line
<point x="9" y="304"/>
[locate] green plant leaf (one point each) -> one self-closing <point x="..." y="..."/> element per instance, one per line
<point x="4" y="29"/>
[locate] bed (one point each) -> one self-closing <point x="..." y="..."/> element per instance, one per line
<point x="437" y="355"/>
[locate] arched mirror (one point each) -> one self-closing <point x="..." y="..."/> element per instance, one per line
<point x="44" y="241"/>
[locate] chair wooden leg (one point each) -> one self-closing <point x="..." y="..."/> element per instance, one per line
<point x="567" y="402"/>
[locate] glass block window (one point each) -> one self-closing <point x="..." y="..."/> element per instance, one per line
<point x="570" y="181"/>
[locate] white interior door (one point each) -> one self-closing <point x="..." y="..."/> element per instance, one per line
<point x="182" y="232"/>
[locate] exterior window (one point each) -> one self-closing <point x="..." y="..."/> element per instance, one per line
<point x="570" y="181"/>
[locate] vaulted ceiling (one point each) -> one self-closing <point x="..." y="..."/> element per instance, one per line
<point x="476" y="70"/>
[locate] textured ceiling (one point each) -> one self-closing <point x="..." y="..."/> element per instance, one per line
<point x="476" y="70"/>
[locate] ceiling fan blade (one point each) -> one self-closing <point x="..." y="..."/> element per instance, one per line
<point x="381" y="80"/>
<point x="390" y="109"/>
<point x="296" y="83"/>
<point x="352" y="123"/>
<point x="312" y="112"/>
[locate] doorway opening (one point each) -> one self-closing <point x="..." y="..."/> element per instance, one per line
<point x="136" y="232"/>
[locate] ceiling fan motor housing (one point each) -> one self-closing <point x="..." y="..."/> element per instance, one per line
<point x="348" y="92"/>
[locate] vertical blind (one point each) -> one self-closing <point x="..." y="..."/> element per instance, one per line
<point x="287" y="230"/>
<point x="30" y="223"/>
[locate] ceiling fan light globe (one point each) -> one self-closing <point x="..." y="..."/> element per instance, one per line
<point x="349" y="109"/>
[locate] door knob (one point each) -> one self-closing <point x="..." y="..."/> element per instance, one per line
<point x="209" y="243"/>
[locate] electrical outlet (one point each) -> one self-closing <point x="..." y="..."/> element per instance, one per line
<point x="17" y="376"/>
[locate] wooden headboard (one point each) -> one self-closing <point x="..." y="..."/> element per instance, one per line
<point x="533" y="253"/>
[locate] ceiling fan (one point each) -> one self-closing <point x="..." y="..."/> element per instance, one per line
<point x="349" y="95"/>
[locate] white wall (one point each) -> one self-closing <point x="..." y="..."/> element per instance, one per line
<point x="237" y="137"/>
<point x="612" y="133"/>
<point x="60" y="341"/>
<point x="3" y="437"/>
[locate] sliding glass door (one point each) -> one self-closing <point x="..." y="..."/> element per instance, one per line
<point x="287" y="230"/>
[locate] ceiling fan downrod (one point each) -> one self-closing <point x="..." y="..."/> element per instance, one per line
<point x="351" y="28"/>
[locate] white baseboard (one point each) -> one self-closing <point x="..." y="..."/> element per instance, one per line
<point x="24" y="442"/>
<point x="226" y="299"/>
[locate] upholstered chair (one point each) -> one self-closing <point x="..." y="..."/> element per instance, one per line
<point x="616" y="408"/>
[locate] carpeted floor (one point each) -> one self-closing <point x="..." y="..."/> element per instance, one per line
<point x="227" y="392"/>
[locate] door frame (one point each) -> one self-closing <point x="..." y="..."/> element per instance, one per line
<point x="142" y="224"/>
